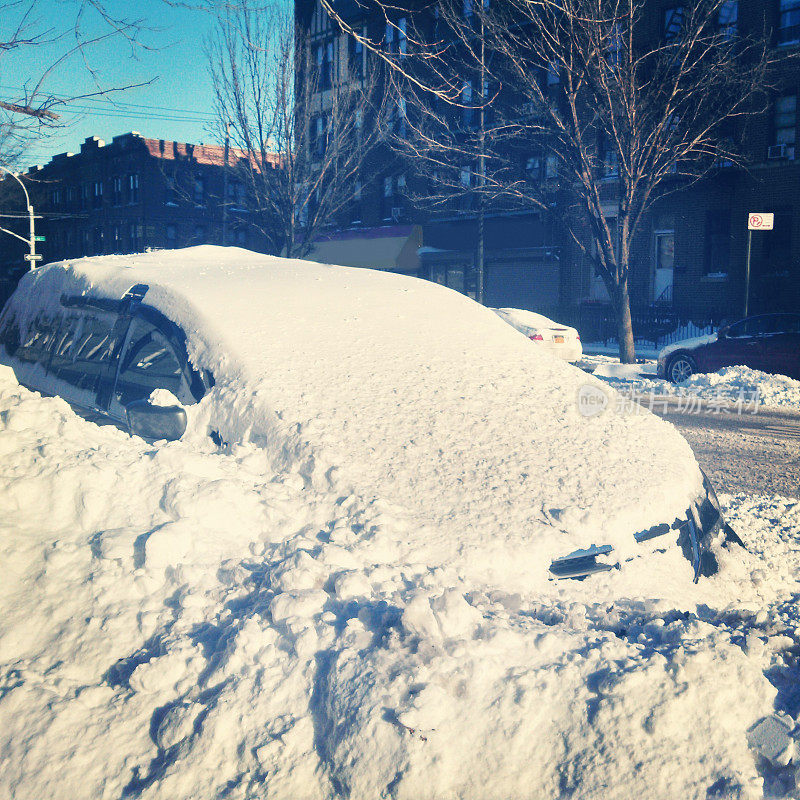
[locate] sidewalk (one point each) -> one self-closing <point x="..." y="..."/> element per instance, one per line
<point x="601" y="349"/>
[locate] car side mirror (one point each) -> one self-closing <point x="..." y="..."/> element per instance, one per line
<point x="155" y="422"/>
<point x="722" y="333"/>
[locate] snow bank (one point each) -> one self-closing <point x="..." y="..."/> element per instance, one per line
<point x="184" y="622"/>
<point x="731" y="384"/>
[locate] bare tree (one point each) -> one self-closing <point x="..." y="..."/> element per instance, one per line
<point x="55" y="40"/>
<point x="303" y="130"/>
<point x="600" y="109"/>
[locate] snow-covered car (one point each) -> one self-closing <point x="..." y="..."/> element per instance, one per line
<point x="767" y="342"/>
<point x="560" y="340"/>
<point x="503" y="459"/>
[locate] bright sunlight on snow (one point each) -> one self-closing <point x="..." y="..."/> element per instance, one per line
<point x="350" y="598"/>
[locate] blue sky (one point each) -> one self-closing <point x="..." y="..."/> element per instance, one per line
<point x="177" y="104"/>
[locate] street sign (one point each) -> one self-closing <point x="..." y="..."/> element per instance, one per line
<point x="760" y="222"/>
<point x="33" y="256"/>
<point x="39" y="239"/>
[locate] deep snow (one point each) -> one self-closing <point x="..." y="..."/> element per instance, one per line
<point x="181" y="622"/>
<point x="736" y="385"/>
<point x="350" y="599"/>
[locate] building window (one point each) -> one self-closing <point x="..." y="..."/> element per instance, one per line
<point x="533" y="168"/>
<point x="171" y="235"/>
<point x="324" y="59"/>
<point x="357" y="54"/>
<point x="784" y="123"/>
<point x="133" y="237"/>
<point x="116" y="190"/>
<point x="98" y="241"/>
<point x="388" y="198"/>
<point x="391" y="202"/>
<point x="199" y="191"/>
<point x="789" y="23"/>
<point x="85" y="194"/>
<point x="467" y="9"/>
<point x="318" y="137"/>
<point x="673" y="23"/>
<point x="728" y="19"/>
<point x="550" y="168"/>
<point x="397" y="37"/>
<point x="610" y="157"/>
<point x="55" y="197"/>
<point x="133" y="188"/>
<point x="97" y="194"/>
<point x="718" y="242"/>
<point x="467" y="111"/>
<point x="400" y="117"/>
<point x="614" y="57"/>
<point x="358" y="190"/>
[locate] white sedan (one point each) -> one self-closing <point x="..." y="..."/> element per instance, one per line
<point x="560" y="340"/>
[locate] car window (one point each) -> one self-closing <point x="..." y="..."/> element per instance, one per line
<point x="149" y="363"/>
<point x="83" y="349"/>
<point x="36" y="342"/>
<point x="9" y="335"/>
<point x="789" y="323"/>
<point x="752" y="326"/>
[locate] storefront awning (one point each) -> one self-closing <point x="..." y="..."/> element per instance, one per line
<point x="393" y="248"/>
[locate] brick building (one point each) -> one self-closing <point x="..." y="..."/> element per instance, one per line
<point x="130" y="195"/>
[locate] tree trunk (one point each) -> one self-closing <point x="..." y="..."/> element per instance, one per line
<point x="622" y="307"/>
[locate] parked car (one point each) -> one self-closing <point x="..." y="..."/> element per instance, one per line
<point x="560" y="340"/>
<point x="393" y="387"/>
<point x="767" y="342"/>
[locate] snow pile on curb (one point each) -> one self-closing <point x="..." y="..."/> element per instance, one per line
<point x="731" y="384"/>
<point x="183" y="622"/>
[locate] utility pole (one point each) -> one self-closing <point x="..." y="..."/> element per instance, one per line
<point x="32" y="257"/>
<point x="225" y="184"/>
<point x="481" y="169"/>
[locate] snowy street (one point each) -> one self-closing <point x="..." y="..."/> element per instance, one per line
<point x="753" y="453"/>
<point x="743" y="425"/>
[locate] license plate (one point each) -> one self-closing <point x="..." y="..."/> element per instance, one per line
<point x="558" y="339"/>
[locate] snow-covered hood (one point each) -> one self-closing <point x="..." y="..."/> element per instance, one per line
<point x="402" y="390"/>
<point x="687" y="344"/>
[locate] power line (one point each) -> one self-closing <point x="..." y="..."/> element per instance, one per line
<point x="120" y="106"/>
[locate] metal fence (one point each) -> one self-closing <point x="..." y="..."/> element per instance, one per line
<point x="655" y="325"/>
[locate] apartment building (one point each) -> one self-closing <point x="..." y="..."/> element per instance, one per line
<point x="689" y="258"/>
<point x="131" y="194"/>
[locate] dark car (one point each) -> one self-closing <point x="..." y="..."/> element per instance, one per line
<point x="106" y="357"/>
<point x="768" y="342"/>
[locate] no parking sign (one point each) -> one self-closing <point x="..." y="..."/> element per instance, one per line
<point x="760" y="222"/>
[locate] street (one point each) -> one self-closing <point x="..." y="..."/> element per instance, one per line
<point x="754" y="453"/>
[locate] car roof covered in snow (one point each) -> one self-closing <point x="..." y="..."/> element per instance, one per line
<point x="388" y="385"/>
<point x="526" y="319"/>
